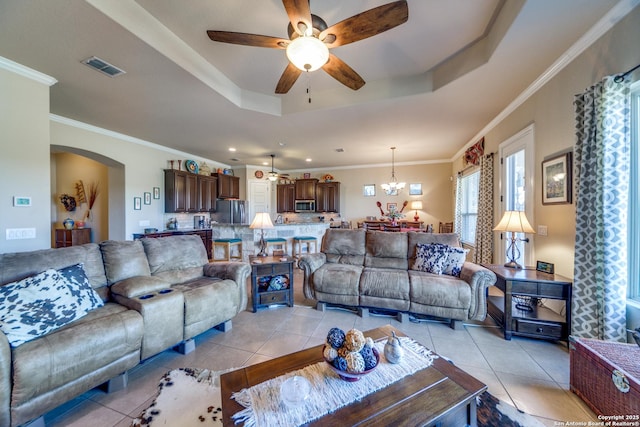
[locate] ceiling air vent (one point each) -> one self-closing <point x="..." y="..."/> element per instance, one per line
<point x="103" y="66"/>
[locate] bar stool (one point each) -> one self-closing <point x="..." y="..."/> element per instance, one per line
<point x="298" y="241"/>
<point x="227" y="245"/>
<point x="280" y="242"/>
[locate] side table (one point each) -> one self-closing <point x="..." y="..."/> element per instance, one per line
<point x="263" y="270"/>
<point x="538" y="322"/>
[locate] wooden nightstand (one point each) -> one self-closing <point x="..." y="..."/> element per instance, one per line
<point x="540" y="322"/>
<point x="267" y="267"/>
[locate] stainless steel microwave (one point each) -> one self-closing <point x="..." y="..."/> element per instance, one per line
<point x="305" y="206"/>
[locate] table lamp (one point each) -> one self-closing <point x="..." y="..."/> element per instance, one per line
<point x="515" y="222"/>
<point x="417" y="206"/>
<point x="262" y="220"/>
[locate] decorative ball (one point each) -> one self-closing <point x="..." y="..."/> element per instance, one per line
<point x="335" y="338"/>
<point x="355" y="362"/>
<point x="368" y="341"/>
<point x="340" y="363"/>
<point x="368" y="357"/>
<point x="354" y="340"/>
<point x="330" y="353"/>
<point x="342" y="351"/>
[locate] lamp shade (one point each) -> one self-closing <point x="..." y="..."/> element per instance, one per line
<point x="416" y="205"/>
<point x="307" y="53"/>
<point x="515" y="221"/>
<point x="261" y="220"/>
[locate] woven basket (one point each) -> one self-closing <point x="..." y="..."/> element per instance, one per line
<point x="606" y="375"/>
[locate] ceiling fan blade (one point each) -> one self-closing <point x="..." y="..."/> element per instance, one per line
<point x="248" y="39"/>
<point x="298" y="11"/>
<point x="340" y="71"/>
<point x="366" y="24"/>
<point x="288" y="78"/>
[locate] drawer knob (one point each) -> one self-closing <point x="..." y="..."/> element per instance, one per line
<point x="539" y="330"/>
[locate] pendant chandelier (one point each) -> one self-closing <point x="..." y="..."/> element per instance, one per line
<point x="393" y="186"/>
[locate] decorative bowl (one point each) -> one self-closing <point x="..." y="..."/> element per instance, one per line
<point x="352" y="376"/>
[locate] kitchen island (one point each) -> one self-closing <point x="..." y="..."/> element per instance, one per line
<point x="251" y="237"/>
<point x="204" y="233"/>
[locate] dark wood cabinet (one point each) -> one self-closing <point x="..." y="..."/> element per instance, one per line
<point x="207" y="193"/>
<point x="328" y="197"/>
<point x="286" y="196"/>
<point x="75" y="237"/>
<point x="306" y="189"/>
<point x="228" y="186"/>
<point x="206" y="234"/>
<point x="180" y="191"/>
<point x="188" y="192"/>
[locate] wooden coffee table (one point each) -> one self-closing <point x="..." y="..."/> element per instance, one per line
<point x="441" y="394"/>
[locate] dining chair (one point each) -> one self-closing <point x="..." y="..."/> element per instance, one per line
<point x="446" y="227"/>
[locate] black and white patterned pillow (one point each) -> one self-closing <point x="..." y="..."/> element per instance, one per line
<point x="455" y="259"/>
<point x="430" y="257"/>
<point x="40" y="304"/>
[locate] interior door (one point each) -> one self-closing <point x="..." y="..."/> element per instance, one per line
<point x="516" y="190"/>
<point x="259" y="198"/>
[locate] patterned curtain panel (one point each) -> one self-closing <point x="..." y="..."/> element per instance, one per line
<point x="457" y="220"/>
<point x="483" y="252"/>
<point x="603" y="117"/>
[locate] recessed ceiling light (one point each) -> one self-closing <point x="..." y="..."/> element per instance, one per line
<point x="233" y="159"/>
<point x="265" y="163"/>
<point x="232" y="149"/>
<point x="282" y="144"/>
<point x="307" y="160"/>
<point x="339" y="150"/>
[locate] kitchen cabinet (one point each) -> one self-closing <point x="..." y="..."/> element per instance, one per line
<point x="228" y="186"/>
<point x="286" y="196"/>
<point x="328" y="197"/>
<point x="306" y="189"/>
<point x="207" y="193"/>
<point x="180" y="191"/>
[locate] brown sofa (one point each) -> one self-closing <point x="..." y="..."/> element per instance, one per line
<point x="157" y="293"/>
<point x="375" y="270"/>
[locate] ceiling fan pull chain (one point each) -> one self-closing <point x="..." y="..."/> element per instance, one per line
<point x="309" y="86"/>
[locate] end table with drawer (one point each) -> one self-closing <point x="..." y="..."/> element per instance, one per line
<point x="517" y="285"/>
<point x="263" y="269"/>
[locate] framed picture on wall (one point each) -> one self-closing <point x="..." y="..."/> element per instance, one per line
<point x="392" y="206"/>
<point x="369" y="190"/>
<point x="557" y="180"/>
<point x="137" y="203"/>
<point x="147" y="198"/>
<point x="415" y="189"/>
<point x="156" y="192"/>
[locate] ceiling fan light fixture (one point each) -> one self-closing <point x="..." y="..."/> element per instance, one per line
<point x="272" y="176"/>
<point x="307" y="53"/>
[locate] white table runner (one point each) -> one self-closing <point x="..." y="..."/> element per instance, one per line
<point x="328" y="391"/>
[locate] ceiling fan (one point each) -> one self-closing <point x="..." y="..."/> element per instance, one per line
<point x="310" y="40"/>
<point x="273" y="175"/>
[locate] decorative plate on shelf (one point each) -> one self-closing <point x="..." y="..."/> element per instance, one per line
<point x="259" y="174"/>
<point x="191" y="166"/>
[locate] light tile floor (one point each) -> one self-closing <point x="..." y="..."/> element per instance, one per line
<point x="532" y="375"/>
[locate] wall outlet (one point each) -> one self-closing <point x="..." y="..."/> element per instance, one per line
<point x="20" y="233"/>
<point x="144" y="223"/>
<point x="542" y="230"/>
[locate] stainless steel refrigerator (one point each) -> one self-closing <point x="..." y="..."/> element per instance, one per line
<point x="230" y="212"/>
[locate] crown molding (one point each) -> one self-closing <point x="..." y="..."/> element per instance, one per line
<point x="27" y="72"/>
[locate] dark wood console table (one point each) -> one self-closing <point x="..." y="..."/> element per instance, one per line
<point x="518" y="285"/>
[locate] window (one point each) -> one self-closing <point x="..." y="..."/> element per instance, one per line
<point x="469" y="207"/>
<point x="634" y="197"/>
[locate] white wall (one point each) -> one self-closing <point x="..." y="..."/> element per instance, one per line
<point x="24" y="162"/>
